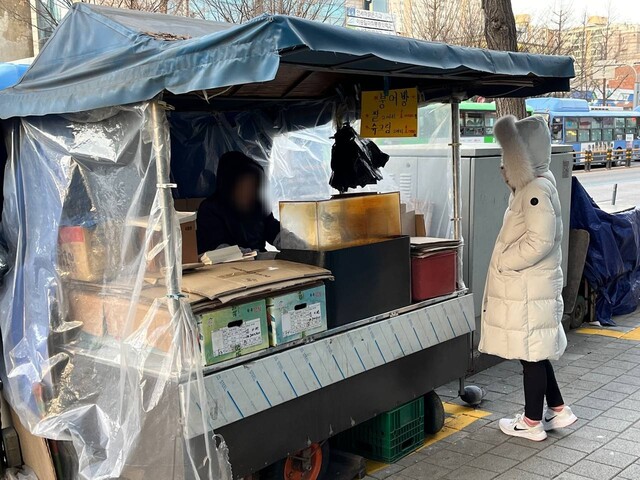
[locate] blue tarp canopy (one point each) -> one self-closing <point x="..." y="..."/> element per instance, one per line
<point x="10" y="73"/>
<point x="100" y="57"/>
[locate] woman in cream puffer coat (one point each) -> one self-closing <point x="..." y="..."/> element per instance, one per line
<point x="522" y="306"/>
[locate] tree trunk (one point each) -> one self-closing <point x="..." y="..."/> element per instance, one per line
<point x="500" y="33"/>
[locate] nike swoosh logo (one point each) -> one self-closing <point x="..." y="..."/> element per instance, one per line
<point x="548" y="419"/>
<point x="519" y="429"/>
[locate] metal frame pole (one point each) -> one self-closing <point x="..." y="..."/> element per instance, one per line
<point x="163" y="166"/>
<point x="457" y="181"/>
<point x="457" y="206"/>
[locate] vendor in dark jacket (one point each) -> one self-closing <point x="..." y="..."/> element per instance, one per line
<point x="235" y="214"/>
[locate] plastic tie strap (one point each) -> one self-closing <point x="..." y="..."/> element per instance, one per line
<point x="176" y="296"/>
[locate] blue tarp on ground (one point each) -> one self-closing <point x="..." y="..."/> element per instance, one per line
<point x="100" y="57"/>
<point x="613" y="259"/>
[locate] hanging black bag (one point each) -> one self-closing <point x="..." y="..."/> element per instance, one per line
<point x="355" y="161"/>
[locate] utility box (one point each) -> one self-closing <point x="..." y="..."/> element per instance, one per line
<point x="421" y="170"/>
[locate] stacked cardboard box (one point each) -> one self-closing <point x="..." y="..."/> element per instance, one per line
<point x="228" y="302"/>
<point x="226" y="288"/>
<point x="297" y="314"/>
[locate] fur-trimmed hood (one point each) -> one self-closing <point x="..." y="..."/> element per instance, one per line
<point x="526" y="148"/>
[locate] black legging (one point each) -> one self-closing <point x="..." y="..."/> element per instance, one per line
<point x="539" y="382"/>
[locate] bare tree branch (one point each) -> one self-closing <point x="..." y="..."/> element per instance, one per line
<point x="457" y="22"/>
<point x="501" y="34"/>
<point x="238" y="11"/>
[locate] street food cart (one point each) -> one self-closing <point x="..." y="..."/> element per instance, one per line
<point x="120" y="109"/>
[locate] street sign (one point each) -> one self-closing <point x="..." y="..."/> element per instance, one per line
<point x="380" y="16"/>
<point x="381" y="32"/>
<point x="369" y="23"/>
<point x="366" y="20"/>
<point x="389" y="114"/>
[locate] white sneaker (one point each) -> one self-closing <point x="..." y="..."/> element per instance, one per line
<point x="517" y="427"/>
<point x="552" y="420"/>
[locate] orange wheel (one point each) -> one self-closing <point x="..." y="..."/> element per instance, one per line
<point x="305" y="465"/>
<point x="311" y="463"/>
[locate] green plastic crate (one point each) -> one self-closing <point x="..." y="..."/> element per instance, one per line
<point x="389" y="436"/>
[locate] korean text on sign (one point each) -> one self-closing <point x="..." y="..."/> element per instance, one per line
<point x="390" y="114"/>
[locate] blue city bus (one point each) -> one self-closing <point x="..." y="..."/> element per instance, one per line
<point x="573" y="122"/>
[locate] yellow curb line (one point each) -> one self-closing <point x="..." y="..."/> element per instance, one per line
<point x="458" y="418"/>
<point x="630" y="335"/>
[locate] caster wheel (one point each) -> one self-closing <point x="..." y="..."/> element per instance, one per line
<point x="433" y="413"/>
<point x="473" y="395"/>
<point x="308" y="464"/>
<point x="579" y="312"/>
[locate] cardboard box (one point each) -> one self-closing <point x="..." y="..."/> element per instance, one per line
<point x="408" y="220"/>
<point x="35" y="450"/>
<point x="81" y="252"/>
<point x="105" y="311"/>
<point x="421" y="227"/>
<point x="193" y="204"/>
<point x="148" y="327"/>
<point x="233" y="331"/>
<point x="187" y="204"/>
<point x="228" y="282"/>
<point x="189" y="240"/>
<point x="296" y="314"/>
<point x="87" y="307"/>
<point x="180" y="204"/>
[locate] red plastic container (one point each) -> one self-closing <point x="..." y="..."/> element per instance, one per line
<point x="433" y="276"/>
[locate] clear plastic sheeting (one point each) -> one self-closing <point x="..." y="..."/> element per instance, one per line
<point x="94" y="348"/>
<point x="422" y="167"/>
<point x="24" y="473"/>
<point x="295" y="149"/>
<point x="4" y="261"/>
<point x="199" y="139"/>
<point x="292" y="144"/>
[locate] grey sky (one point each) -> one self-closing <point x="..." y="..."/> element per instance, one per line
<point x="624" y="11"/>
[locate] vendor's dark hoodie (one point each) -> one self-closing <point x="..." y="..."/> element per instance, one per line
<point x="220" y="223"/>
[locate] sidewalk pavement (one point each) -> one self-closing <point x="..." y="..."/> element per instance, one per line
<point x="599" y="376"/>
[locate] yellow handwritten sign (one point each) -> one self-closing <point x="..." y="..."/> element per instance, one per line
<point x="392" y="115"/>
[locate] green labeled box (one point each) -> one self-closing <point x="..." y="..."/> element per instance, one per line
<point x="296" y="315"/>
<point x="233" y="331"/>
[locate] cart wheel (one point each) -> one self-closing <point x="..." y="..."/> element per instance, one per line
<point x="308" y="464"/>
<point x="579" y="312"/>
<point x="433" y="413"/>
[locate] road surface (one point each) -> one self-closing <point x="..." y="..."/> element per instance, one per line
<point x="599" y="183"/>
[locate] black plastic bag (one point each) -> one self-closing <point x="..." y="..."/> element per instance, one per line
<point x="355" y="161"/>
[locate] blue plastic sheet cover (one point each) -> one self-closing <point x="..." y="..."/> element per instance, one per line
<point x="100" y="57"/>
<point x="10" y="73"/>
<point x="613" y="260"/>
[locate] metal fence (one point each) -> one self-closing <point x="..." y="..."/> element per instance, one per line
<point x="609" y="158"/>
